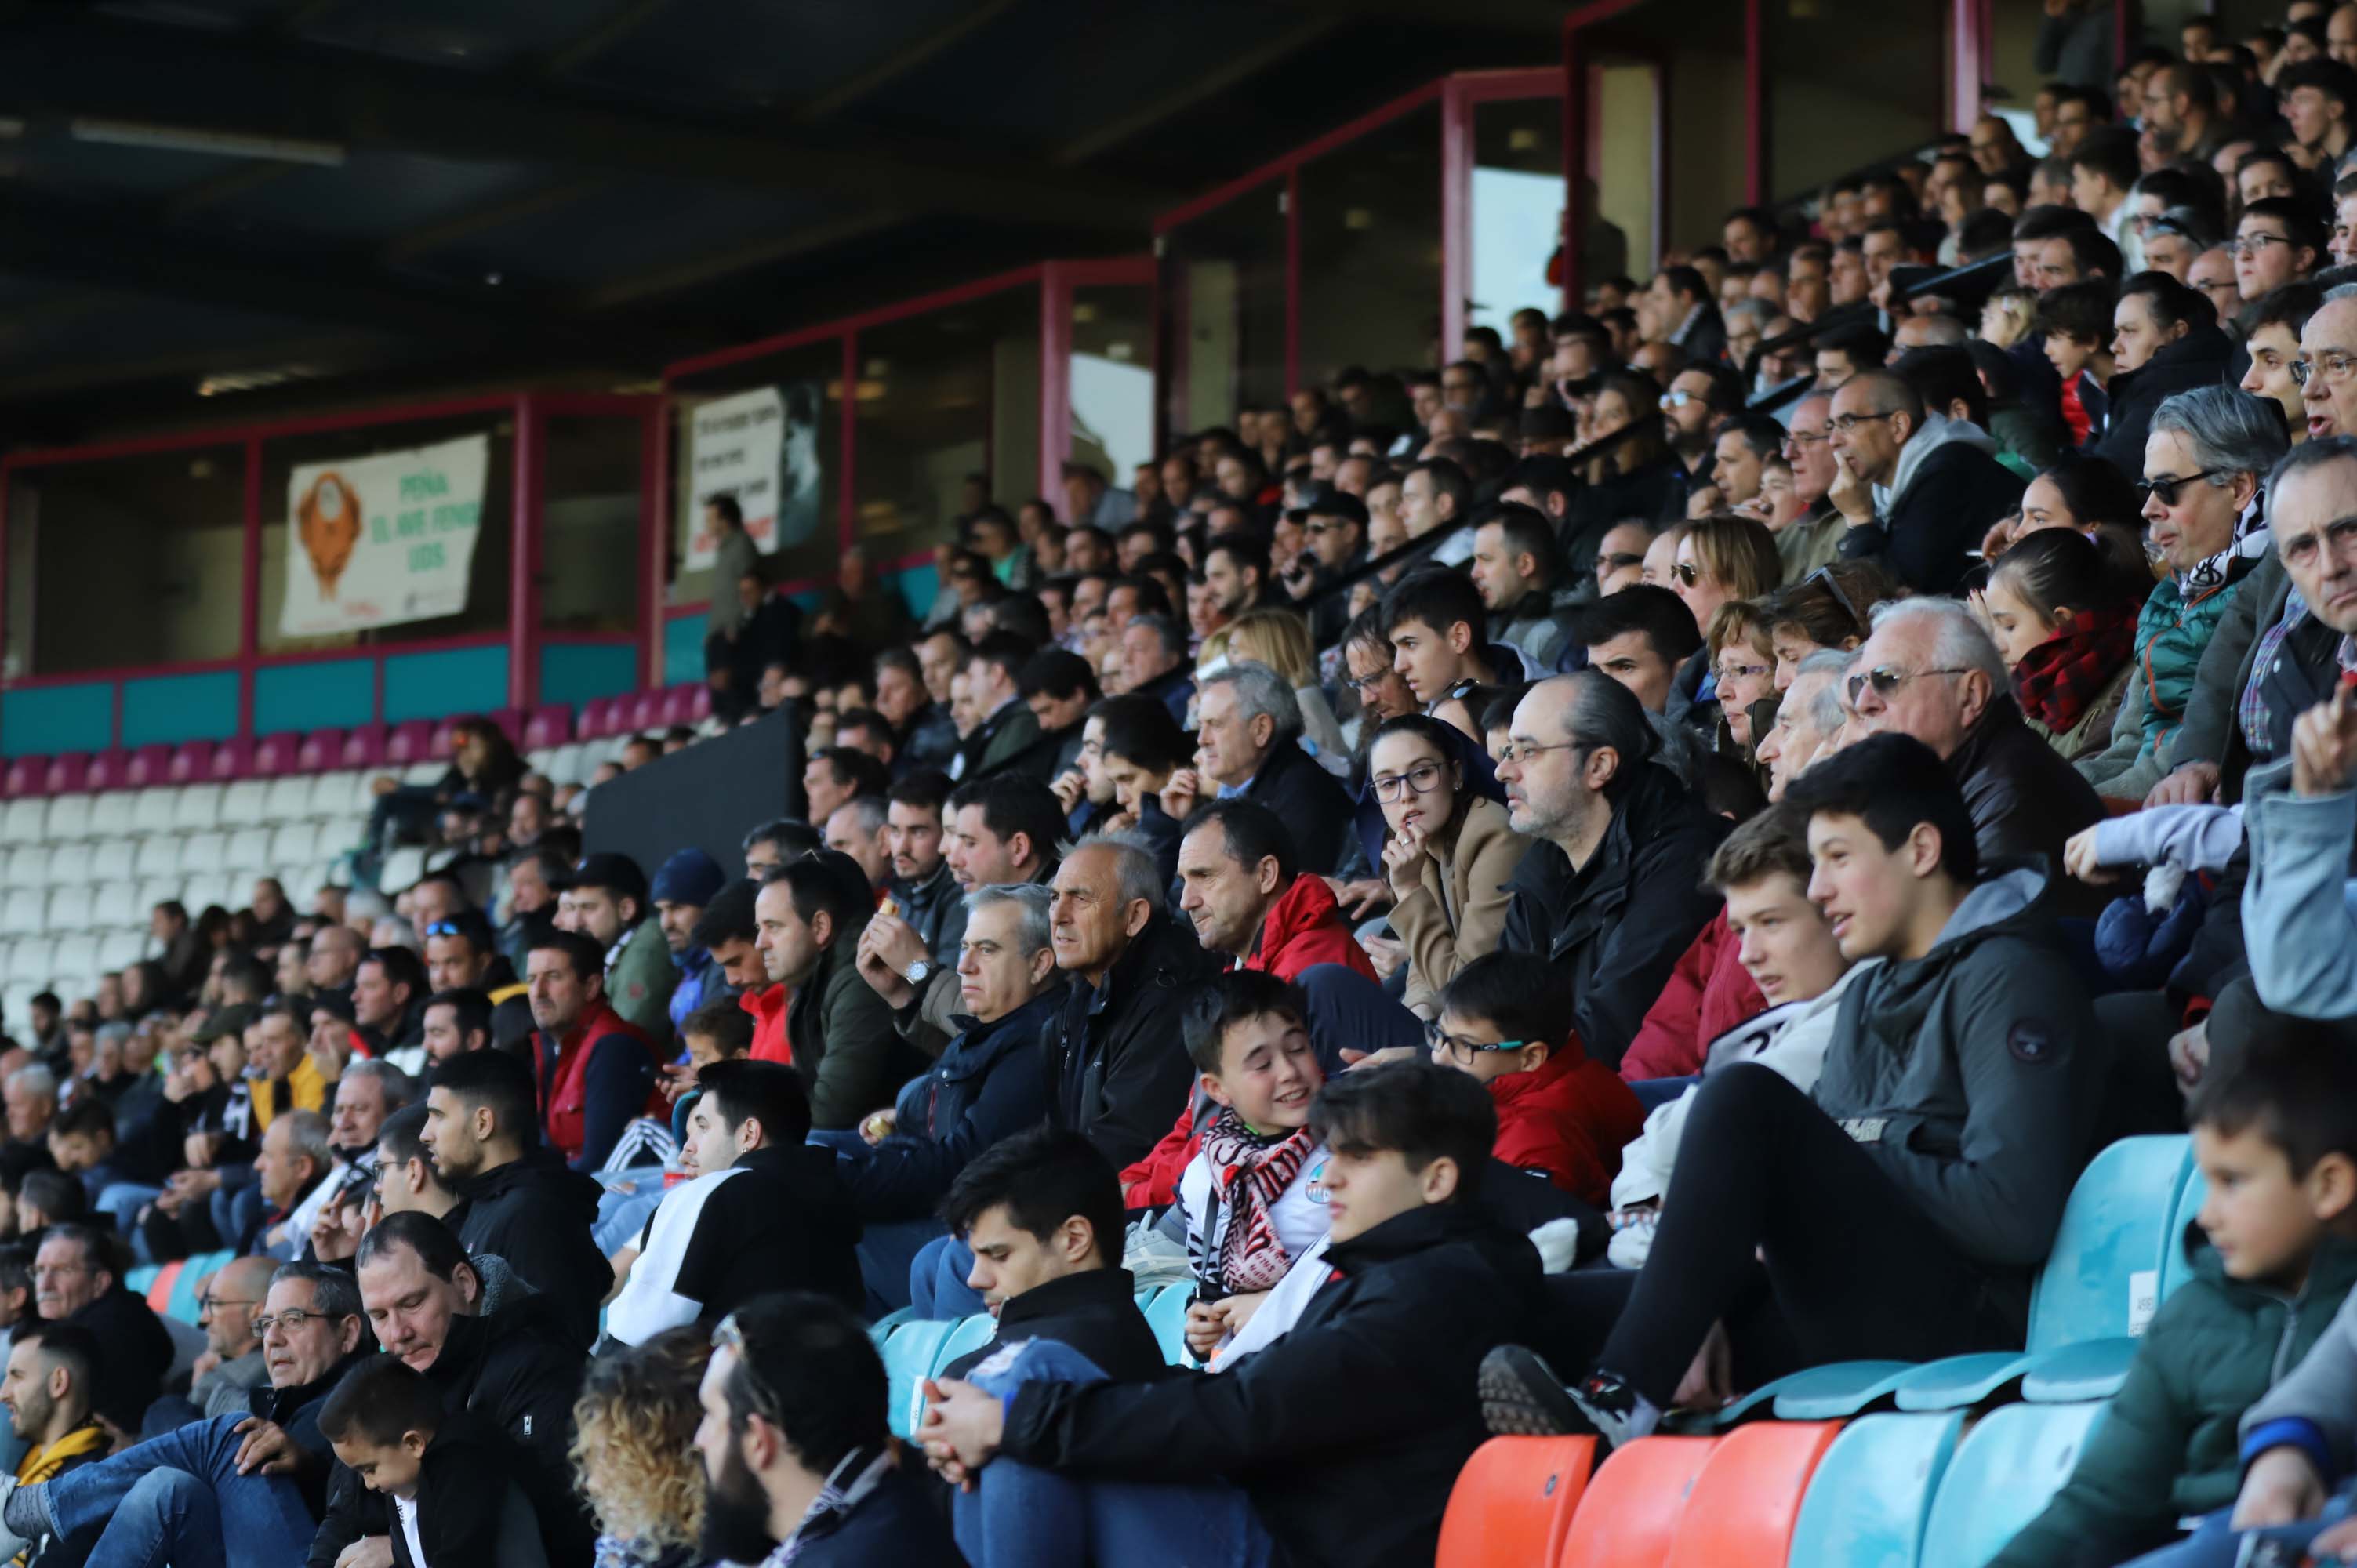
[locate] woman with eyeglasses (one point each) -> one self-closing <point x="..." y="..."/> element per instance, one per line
<point x="1448" y="853"/>
<point x="2064" y="622"/>
<point x="1744" y="665"/>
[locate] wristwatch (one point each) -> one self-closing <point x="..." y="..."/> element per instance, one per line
<point x="919" y="972"/>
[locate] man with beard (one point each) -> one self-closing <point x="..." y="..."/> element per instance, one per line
<point x="797" y="1456"/>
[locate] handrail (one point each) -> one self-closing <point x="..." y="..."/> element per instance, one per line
<point x="1991" y="268"/>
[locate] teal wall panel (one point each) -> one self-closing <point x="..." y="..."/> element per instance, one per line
<point x="45" y="720"/>
<point x="334" y="693"/>
<point x="574" y="672"/>
<point x="450" y="680"/>
<point x="175" y="708"/>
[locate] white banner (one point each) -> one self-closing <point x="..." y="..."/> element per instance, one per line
<point x="382" y="539"/>
<point x="760" y="447"/>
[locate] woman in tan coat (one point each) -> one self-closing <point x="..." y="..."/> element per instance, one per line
<point x="1448" y="853"/>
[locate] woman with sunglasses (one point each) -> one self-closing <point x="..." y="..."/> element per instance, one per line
<point x="2065" y="625"/>
<point x="2204" y="462"/>
<point x="1828" y="609"/>
<point x="1448" y="853"/>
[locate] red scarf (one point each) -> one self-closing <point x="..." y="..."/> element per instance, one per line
<point x="2056" y="680"/>
<point x="1252" y="1172"/>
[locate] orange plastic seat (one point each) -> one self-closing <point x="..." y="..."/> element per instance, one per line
<point x="1513" y="1502"/>
<point x="1630" y="1516"/>
<point x="1746" y="1499"/>
<point x="159" y="1293"/>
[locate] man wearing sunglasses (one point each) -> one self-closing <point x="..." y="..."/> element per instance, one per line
<point x="1918" y="492"/>
<point x="1930" y="672"/>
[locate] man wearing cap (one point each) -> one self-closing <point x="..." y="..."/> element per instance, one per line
<point x="685" y="884"/>
<point x="610" y="906"/>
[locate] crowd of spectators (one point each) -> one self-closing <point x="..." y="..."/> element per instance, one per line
<point x="1547" y="891"/>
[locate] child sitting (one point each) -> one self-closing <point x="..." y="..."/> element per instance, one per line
<point x="2275" y="1137"/>
<point x="1506" y="1018"/>
<point x="1250" y="1198"/>
<point x="447" y="1480"/>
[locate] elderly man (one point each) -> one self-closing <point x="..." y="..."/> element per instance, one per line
<point x="1928" y="670"/>
<point x="289" y="1170"/>
<point x="231" y="1364"/>
<point x="1613" y="889"/>
<point x="1917" y="491"/>
<point x="75" y="1280"/>
<point x="1808" y="720"/>
<point x="1248" y="743"/>
<point x="254" y="1475"/>
<point x="2327" y="367"/>
<point x="1117" y="1070"/>
<point x="1153" y="662"/>
<point x="31" y="1097"/>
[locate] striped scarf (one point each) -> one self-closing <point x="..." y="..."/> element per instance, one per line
<point x="1252" y="1171"/>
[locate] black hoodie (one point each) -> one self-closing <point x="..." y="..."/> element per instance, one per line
<point x="1346" y="1433"/>
<point x="539" y="1215"/>
<point x="1116" y="1068"/>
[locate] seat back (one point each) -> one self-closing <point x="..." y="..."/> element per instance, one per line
<point x="2001" y="1477"/>
<point x="152" y="808"/>
<point x="970" y="1335"/>
<point x="319" y="751"/>
<point x="69" y="908"/>
<point x="191" y="763"/>
<point x="275" y="754"/>
<point x="2176" y="1268"/>
<point x="107" y="770"/>
<point x="1871" y="1496"/>
<point x="411" y="741"/>
<point x="68" y="819"/>
<point x="150" y="765"/>
<point x="1746" y="1499"/>
<point x="549" y="726"/>
<point x="364" y="748"/>
<point x="26" y="775"/>
<point x="1629" y="1514"/>
<point x="199" y="808"/>
<point x="1514" y="1500"/>
<point x="232" y="760"/>
<point x="908" y="1362"/>
<point x="244" y="804"/>
<point x="68" y="771"/>
<point x="2103" y="1278"/>
<point x="22" y="821"/>
<point x="1168" y="1318"/>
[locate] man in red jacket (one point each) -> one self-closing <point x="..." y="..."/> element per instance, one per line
<point x="594" y="1071"/>
<point x="1506" y="1018"/>
<point x="1249" y="899"/>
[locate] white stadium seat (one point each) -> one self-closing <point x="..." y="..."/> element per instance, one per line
<point x="293" y="844"/>
<point x="21" y="822"/>
<point x="117" y="906"/>
<point x="111" y="813"/>
<point x="289" y="800"/>
<point x="154" y="890"/>
<point x="152" y="810"/>
<point x="203" y="852"/>
<point x="401" y="867"/>
<point x="113" y="860"/>
<point x="28" y="866"/>
<point x="75" y="955"/>
<point x="70" y="908"/>
<point x="70" y="863"/>
<point x="119" y="950"/>
<point x="158" y="856"/>
<point x="23" y="911"/>
<point x="68" y="819"/>
<point x="249" y="850"/>
<point x="199" y="808"/>
<point x="243" y="803"/>
<point x="28" y="958"/>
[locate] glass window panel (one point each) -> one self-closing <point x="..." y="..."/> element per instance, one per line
<point x="1371" y="250"/>
<point x="1224" y="304"/>
<point x="810" y="380"/>
<point x="1516" y="209"/>
<point x="589" y="528"/>
<point x="1112" y="379"/>
<point x="137" y="560"/>
<point x="939" y="396"/>
<point x="490" y="576"/>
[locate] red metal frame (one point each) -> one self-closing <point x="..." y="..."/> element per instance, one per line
<point x="523" y="637"/>
<point x="1968" y="51"/>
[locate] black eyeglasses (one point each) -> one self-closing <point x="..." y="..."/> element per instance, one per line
<point x="2167" y="488"/>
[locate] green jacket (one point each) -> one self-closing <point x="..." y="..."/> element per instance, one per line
<point x="639" y="981"/>
<point x="2166" y="1447"/>
<point x="2172" y="632"/>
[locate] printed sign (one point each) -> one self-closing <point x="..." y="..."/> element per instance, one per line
<point x="760" y="447"/>
<point x="382" y="539"/>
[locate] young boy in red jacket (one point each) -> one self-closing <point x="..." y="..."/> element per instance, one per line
<point x="1506" y="1018"/>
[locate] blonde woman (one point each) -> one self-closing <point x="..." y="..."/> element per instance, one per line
<point x="1448" y="853"/>
<point x="634" y="1452"/>
<point x="1280" y="639"/>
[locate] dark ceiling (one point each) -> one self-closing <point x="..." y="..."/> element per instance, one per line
<point x="349" y="199"/>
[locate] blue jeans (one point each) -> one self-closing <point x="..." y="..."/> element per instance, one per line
<point x="937" y="1286"/>
<point x="178" y="1500"/>
<point x="1023" y="1517"/>
<point x="236" y="1212"/>
<point x="1346" y="1008"/>
<point x="2217" y="1544"/>
<point x="622" y="1215"/>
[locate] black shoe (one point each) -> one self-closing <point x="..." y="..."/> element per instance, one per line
<point x="1522" y="1396"/>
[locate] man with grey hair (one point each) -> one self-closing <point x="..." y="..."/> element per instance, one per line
<point x="1117" y="1063"/>
<point x="857" y="828"/>
<point x="290" y="1168"/>
<point x="988" y="1084"/>
<point x="1931" y="671"/>
<point x="1248" y="744"/>
<point x="1153" y="662"/>
<point x="30" y="1095"/>
<point x="1808" y="721"/>
<point x="1918" y="490"/>
<point x="2327" y="367"/>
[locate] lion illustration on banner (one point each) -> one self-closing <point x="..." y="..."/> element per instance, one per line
<point x="328" y="519"/>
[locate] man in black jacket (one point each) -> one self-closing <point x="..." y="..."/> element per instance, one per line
<point x="518" y="1199"/>
<point x="2168" y="342"/>
<point x="513" y="1365"/>
<point x="1040" y="1213"/>
<point x="1916" y="494"/>
<point x="1614" y="888"/>
<point x="1248" y="741"/>
<point x="1118" y="1071"/>
<point x="1899" y="1209"/>
<point x="1337" y="1444"/>
<point x="76" y="1280"/>
<point x="194" y="1484"/>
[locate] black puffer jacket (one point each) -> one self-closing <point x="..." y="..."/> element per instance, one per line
<point x="1117" y="1069"/>
<point x="1620" y="922"/>
<point x="538" y="1213"/>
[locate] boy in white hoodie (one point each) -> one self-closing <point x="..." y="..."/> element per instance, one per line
<point x="1762" y="870"/>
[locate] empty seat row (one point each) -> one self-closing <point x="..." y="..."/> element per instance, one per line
<point x="251" y="803"/>
<point x="123" y="903"/>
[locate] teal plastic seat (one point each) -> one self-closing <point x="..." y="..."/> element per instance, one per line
<point x="1959" y="1383"/>
<point x="142" y="1279"/>
<point x="2002" y="1475"/>
<point x="969" y="1335"/>
<point x="183" y="1304"/>
<point x="908" y="1358"/>
<point x="2175" y="1267"/>
<point x="881" y="1329"/>
<point x="1838" y="1392"/>
<point x="2092" y="1370"/>
<point x="1871" y="1496"/>
<point x="1168" y="1318"/>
